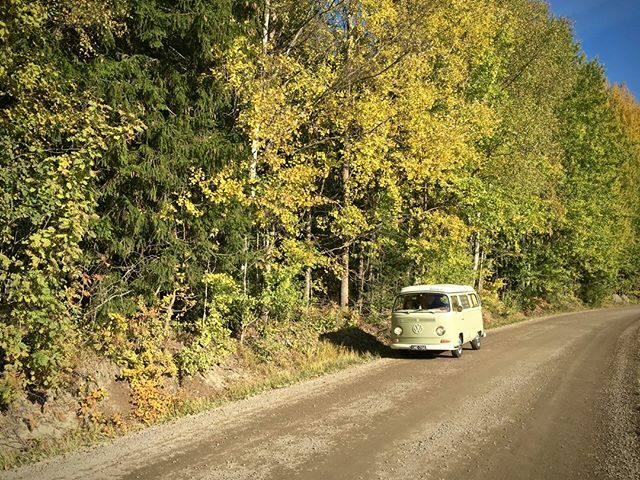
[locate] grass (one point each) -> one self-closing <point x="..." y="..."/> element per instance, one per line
<point x="39" y="449"/>
<point x="323" y="358"/>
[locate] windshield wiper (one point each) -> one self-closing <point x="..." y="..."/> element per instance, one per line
<point x="429" y="310"/>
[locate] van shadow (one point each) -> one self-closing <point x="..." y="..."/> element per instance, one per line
<point x="357" y="340"/>
<point x="363" y="342"/>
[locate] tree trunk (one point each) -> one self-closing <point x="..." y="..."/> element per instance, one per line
<point x="346" y="173"/>
<point x="307" y="287"/>
<point x="344" y="285"/>
<point x="476" y="260"/>
<point x="265" y="25"/>
<point x="245" y="266"/>
<point x="255" y="141"/>
<point x="483" y="256"/>
<point x="268" y="257"/>
<point x="361" y="274"/>
<point x="307" y="272"/>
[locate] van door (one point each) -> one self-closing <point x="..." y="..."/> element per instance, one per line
<point x="475" y="314"/>
<point x="467" y="318"/>
<point x="457" y="317"/>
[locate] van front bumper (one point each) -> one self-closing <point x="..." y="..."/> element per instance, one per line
<point x="424" y="346"/>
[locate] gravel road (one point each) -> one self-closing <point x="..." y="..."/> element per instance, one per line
<point x="555" y="398"/>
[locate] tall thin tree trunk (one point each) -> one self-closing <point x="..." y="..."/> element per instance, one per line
<point x="308" y="282"/>
<point x="344" y="283"/>
<point x="361" y="281"/>
<point x="346" y="173"/>
<point x="269" y="239"/>
<point x="204" y="307"/>
<point x="265" y="25"/>
<point x="255" y="144"/>
<point x="307" y="271"/>
<point x="483" y="257"/>
<point x="268" y="257"/>
<point x="245" y="266"/>
<point x="476" y="260"/>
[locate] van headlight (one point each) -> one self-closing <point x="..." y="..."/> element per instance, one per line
<point x="440" y="331"/>
<point x="397" y="331"/>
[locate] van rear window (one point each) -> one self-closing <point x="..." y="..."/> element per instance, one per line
<point x="422" y="301"/>
<point x="474" y="300"/>
<point x="464" y="299"/>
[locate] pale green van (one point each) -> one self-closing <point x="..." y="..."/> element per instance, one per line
<point x="437" y="317"/>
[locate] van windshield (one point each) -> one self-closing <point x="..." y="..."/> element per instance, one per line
<point x="434" y="302"/>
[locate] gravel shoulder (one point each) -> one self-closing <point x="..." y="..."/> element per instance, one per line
<point x="552" y="398"/>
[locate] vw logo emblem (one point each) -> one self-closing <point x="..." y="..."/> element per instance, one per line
<point x="417" y="328"/>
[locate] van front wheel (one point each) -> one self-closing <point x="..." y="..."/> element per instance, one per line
<point x="457" y="353"/>
<point x="475" y="343"/>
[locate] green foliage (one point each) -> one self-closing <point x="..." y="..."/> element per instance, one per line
<point x="177" y="178"/>
<point x="627" y="110"/>
<point x="597" y="231"/>
<point x="208" y="341"/>
<point x="137" y="343"/>
<point x="274" y="340"/>
<point x="141" y="345"/>
<point x="52" y="135"/>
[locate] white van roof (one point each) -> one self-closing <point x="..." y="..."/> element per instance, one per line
<point x="441" y="288"/>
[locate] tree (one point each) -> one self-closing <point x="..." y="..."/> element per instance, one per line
<point x="53" y="135"/>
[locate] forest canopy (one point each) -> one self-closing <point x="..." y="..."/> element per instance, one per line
<point x="177" y="177"/>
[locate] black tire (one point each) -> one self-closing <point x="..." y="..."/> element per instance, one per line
<point x="476" y="342"/>
<point x="457" y="353"/>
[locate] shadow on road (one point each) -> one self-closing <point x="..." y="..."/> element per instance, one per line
<point x="357" y="340"/>
<point x="363" y="342"/>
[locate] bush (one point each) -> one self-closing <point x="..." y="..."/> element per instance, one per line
<point x="207" y="339"/>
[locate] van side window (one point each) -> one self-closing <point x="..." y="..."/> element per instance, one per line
<point x="474" y="299"/>
<point x="464" y="299"/>
<point x="456" y="302"/>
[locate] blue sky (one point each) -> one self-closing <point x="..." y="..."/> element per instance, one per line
<point x="610" y="31"/>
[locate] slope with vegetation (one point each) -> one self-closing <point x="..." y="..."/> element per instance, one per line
<point x="185" y="180"/>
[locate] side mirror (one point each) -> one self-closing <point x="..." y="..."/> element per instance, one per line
<point x="458" y="309"/>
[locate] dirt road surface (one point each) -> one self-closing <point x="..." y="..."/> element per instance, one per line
<point x="555" y="398"/>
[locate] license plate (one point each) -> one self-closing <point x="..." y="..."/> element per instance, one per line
<point x="418" y="347"/>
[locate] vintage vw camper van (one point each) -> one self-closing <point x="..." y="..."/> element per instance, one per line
<point x="437" y="317"/>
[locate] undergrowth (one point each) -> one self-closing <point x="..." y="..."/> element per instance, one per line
<point x="285" y="369"/>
